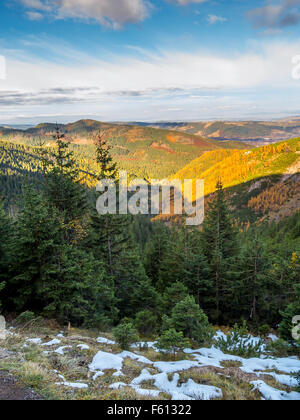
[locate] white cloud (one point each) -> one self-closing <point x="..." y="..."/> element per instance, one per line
<point x="212" y="19"/>
<point x="113" y="13"/>
<point x="127" y="87"/>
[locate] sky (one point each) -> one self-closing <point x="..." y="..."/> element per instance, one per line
<point x="148" y="60"/>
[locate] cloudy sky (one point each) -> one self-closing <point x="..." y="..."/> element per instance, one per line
<point x="146" y="60"/>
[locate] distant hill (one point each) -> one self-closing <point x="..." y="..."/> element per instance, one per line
<point x="258" y="132"/>
<point x="262" y="182"/>
<point x="146" y="151"/>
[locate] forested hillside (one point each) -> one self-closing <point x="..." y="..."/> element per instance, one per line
<point x="135" y="279"/>
<point x="259" y="132"/>
<point x="145" y="151"/>
<point x="258" y="182"/>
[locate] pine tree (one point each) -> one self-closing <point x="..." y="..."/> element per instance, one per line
<point x="172" y="341"/>
<point x="133" y="288"/>
<point x="219" y="247"/>
<point x="5" y="248"/>
<point x="63" y="189"/>
<point x="35" y="248"/>
<point x="187" y="317"/>
<point x="155" y="252"/>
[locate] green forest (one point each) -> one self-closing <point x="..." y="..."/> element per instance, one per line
<point x="60" y="259"/>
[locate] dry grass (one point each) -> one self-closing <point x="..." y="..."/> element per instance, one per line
<point x="37" y="370"/>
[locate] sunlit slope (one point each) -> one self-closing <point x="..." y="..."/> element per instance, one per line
<point x="236" y="167"/>
<point x="145" y="151"/>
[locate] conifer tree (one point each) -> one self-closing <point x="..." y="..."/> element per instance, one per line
<point x="220" y="247"/>
<point x="187" y="317"/>
<point x="155" y="252"/>
<point x="36" y="245"/>
<point x="63" y="189"/>
<point x="5" y="248"/>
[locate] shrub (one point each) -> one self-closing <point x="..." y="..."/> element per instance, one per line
<point x="25" y="318"/>
<point x="125" y="334"/>
<point x="240" y="345"/>
<point x="172" y="341"/>
<point x="187" y="317"/>
<point x="297" y="376"/>
<point x="146" y="322"/>
<point x="264" y="329"/>
<point x="282" y="348"/>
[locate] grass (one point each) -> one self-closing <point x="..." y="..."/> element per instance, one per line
<point x="39" y="372"/>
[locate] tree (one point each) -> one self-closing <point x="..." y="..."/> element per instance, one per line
<point x="6" y="229"/>
<point x="146" y="322"/>
<point x="134" y="290"/>
<point x="36" y="246"/>
<point x="155" y="252"/>
<point x="220" y="247"/>
<point x="288" y="315"/>
<point x="172" y="341"/>
<point x="107" y="166"/>
<point x="63" y="189"/>
<point x="173" y="295"/>
<point x="187" y="317"/>
<point x="125" y="335"/>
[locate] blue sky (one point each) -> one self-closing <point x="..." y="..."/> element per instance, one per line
<point x="119" y="60"/>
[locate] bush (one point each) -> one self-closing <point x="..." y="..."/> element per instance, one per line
<point x="146" y="322"/>
<point x="125" y="335"/>
<point x="282" y="348"/>
<point x="264" y="329"/>
<point x="172" y="341"/>
<point x="297" y="376"/>
<point x="187" y="317"/>
<point x="26" y="318"/>
<point x="239" y="345"/>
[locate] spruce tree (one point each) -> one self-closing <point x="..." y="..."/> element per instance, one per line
<point x="187" y="317"/>
<point x="220" y="247"/>
<point x="63" y="189"/>
<point x="6" y="227"/>
<point x="155" y="252"/>
<point x="36" y="245"/>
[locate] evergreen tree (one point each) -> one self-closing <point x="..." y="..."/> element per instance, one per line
<point x="187" y="317"/>
<point x="63" y="189"/>
<point x="155" y="252"/>
<point x="220" y="247"/>
<point x="173" y="295"/>
<point x="5" y="248"/>
<point x="133" y="288"/>
<point x="172" y="341"/>
<point x="36" y="245"/>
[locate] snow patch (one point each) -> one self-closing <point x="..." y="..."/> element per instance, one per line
<point x="273" y="394"/>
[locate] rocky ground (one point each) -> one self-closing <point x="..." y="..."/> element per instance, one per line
<point x="11" y="390"/>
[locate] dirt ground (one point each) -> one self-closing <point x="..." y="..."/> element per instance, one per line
<point x="10" y="390"/>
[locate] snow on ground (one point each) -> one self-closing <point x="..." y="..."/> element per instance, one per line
<point x="280" y="369"/>
<point x="187" y="391"/>
<point x="61" y="350"/>
<point x="273" y="337"/>
<point x="136" y="357"/>
<point x="281" y="379"/>
<point x="106" y="361"/>
<point x="214" y="357"/>
<point x="51" y="343"/>
<point x="83" y="347"/>
<point x="34" y="340"/>
<point x="273" y="394"/>
<point x="103" y="340"/>
<point x="75" y="385"/>
<point x="171" y="367"/>
<point x="146" y="344"/>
